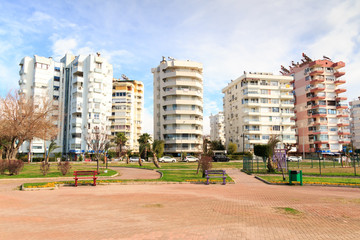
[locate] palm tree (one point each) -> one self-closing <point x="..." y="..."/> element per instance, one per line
<point x="144" y="142"/>
<point x="52" y="147"/>
<point x="273" y="141"/>
<point x="158" y="150"/>
<point x="120" y="141"/>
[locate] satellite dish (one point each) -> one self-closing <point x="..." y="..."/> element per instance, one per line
<point x="124" y="77"/>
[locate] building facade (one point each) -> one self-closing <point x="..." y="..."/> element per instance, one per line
<point x="322" y="119"/>
<point x="355" y="122"/>
<point x="256" y="107"/>
<point x="178" y="105"/>
<point x="127" y="107"/>
<point x="80" y="86"/>
<point x="217" y="127"/>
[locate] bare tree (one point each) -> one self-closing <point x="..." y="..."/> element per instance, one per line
<point x="97" y="141"/>
<point x="22" y="119"/>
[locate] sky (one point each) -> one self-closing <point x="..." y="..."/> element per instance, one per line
<point x="227" y="36"/>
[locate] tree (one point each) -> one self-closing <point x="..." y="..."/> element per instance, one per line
<point x="98" y="143"/>
<point x="273" y="141"/>
<point x="158" y="148"/>
<point x="144" y="145"/>
<point x="52" y="147"/>
<point x="217" y="145"/>
<point x="232" y="148"/>
<point x="22" y="119"/>
<point x="120" y="141"/>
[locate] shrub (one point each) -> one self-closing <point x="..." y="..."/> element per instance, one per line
<point x="44" y="168"/>
<point x="205" y="164"/>
<point x="3" y="166"/>
<point x="15" y="166"/>
<point x="64" y="167"/>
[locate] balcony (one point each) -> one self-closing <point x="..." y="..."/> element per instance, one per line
<point x="343" y="124"/>
<point x="340" y="90"/>
<point x="343" y="132"/>
<point x="342" y="115"/>
<point x="194" y="83"/>
<point x="77" y="79"/>
<point x="339" y="74"/>
<point x="341" y="98"/>
<point x="317" y="88"/>
<point x="341" y="106"/>
<point x="317" y="80"/>
<point x="318" y="106"/>
<point x="321" y="141"/>
<point x="317" y="72"/>
<point x="192" y="74"/>
<point x="338" y="65"/>
<point x="318" y="97"/>
<point x="78" y="70"/>
<point x="339" y="81"/>
<point x="288" y="95"/>
<point x="344" y="141"/>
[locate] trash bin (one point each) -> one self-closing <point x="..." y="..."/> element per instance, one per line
<point x="295" y="176"/>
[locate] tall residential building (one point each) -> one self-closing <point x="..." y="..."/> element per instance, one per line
<point x="127" y="106"/>
<point x="217" y="128"/>
<point x="355" y="122"/>
<point x="322" y="118"/>
<point x="81" y="88"/>
<point x="256" y="107"/>
<point x="40" y="78"/>
<point x="178" y="105"/>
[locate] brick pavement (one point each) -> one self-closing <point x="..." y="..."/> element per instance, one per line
<point x="245" y="210"/>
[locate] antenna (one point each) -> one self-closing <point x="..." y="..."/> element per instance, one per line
<point x="124" y="77"/>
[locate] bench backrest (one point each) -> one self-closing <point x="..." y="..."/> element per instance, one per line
<point x="83" y="173"/>
<point x="215" y="172"/>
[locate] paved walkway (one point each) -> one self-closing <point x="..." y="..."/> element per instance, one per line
<point x="248" y="209"/>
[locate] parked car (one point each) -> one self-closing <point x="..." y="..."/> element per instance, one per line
<point x="135" y="159"/>
<point x="293" y="159"/>
<point x="191" y="159"/>
<point x="167" y="159"/>
<point x="220" y="158"/>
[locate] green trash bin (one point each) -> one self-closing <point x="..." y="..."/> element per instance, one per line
<point x="295" y="176"/>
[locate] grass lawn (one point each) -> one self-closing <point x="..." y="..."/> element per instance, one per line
<point x="33" y="171"/>
<point x="168" y="176"/>
<point x="178" y="165"/>
<point x="316" y="180"/>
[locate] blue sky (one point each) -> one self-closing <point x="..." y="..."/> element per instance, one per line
<point x="227" y="36"/>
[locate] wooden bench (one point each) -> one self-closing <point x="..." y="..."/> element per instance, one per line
<point x="85" y="175"/>
<point x="215" y="174"/>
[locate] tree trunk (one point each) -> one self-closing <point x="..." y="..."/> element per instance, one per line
<point x="29" y="153"/>
<point x="140" y="163"/>
<point x="156" y="163"/>
<point x="127" y="159"/>
<point x="97" y="165"/>
<point x="198" y="167"/>
<point x="1" y="152"/>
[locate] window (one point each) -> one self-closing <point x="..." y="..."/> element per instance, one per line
<point x="264" y="91"/>
<point x="275" y="109"/>
<point x="98" y="65"/>
<point x="331" y="111"/>
<point x="276" y="128"/>
<point x="42" y="66"/>
<point x="96" y="115"/>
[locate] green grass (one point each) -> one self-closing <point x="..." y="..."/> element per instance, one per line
<point x="168" y="176"/>
<point x="315" y="180"/>
<point x="288" y="210"/>
<point x="178" y="165"/>
<point x="33" y="171"/>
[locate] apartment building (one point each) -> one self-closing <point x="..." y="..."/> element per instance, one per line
<point x="256" y="107"/>
<point x="322" y="119"/>
<point x="355" y="122"/>
<point x="127" y="106"/>
<point x="217" y="127"/>
<point x="178" y="105"/>
<point x="40" y="78"/>
<point x="80" y="86"/>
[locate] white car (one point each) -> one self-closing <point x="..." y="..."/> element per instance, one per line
<point x="167" y="159"/>
<point x="294" y="159"/>
<point x="191" y="159"/>
<point x="135" y="159"/>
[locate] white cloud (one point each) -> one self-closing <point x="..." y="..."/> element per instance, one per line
<point x="62" y="46"/>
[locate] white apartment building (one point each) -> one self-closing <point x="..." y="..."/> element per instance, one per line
<point x="257" y="106"/>
<point x="355" y="122"/>
<point x="127" y="106"/>
<point x="40" y="78"/>
<point x="81" y="86"/>
<point x="178" y="105"/>
<point x="217" y="127"/>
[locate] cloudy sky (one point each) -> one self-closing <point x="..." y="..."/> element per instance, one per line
<point x="227" y="36"/>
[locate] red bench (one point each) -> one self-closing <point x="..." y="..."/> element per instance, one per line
<point x="85" y="175"/>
